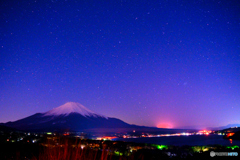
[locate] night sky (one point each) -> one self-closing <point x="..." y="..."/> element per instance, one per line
<point x="153" y="63"/>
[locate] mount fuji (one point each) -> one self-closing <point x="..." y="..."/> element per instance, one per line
<point x="71" y="116"/>
<point x="74" y="117"/>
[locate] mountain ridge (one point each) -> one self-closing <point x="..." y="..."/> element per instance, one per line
<point x="70" y="116"/>
<point x="74" y="117"/>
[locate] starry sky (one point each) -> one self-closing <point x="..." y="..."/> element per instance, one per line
<point x="164" y="63"/>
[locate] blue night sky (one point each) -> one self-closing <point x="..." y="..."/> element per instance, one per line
<point x="156" y="63"/>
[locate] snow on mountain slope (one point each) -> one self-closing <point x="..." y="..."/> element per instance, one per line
<point x="71" y="107"/>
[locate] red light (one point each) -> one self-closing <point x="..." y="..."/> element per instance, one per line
<point x="230" y="134"/>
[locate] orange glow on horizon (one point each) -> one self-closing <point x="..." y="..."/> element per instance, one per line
<point x="164" y="125"/>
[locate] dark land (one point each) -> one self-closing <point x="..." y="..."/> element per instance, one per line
<point x="47" y="145"/>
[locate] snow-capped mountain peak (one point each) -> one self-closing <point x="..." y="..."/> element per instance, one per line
<point x="70" y="107"/>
